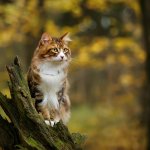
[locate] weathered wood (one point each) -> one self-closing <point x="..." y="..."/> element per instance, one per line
<point x="27" y="128"/>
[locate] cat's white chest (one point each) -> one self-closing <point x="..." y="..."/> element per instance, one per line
<point x="52" y="78"/>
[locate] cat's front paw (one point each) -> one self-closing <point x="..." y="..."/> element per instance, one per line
<point x="50" y="123"/>
<point x="47" y="122"/>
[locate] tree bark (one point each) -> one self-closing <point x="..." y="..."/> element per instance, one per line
<point x="27" y="129"/>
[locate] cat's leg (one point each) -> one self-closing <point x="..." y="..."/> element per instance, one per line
<point x="54" y="117"/>
<point x="45" y="113"/>
<point x="51" y="116"/>
<point x="41" y="107"/>
<point x="65" y="115"/>
<point x="64" y="103"/>
<point x="65" y="109"/>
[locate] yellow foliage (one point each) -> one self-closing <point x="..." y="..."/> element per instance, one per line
<point x="3" y="114"/>
<point x="134" y="5"/>
<point x="121" y="43"/>
<point x="86" y="22"/>
<point x="52" y="28"/>
<point x="6" y="92"/>
<point x="139" y="54"/>
<point x="129" y="27"/>
<point x="84" y="57"/>
<point x="97" y="64"/>
<point x="63" y="5"/>
<point x="126" y="80"/>
<point x="99" y="45"/>
<point x="111" y="59"/>
<point x="125" y="60"/>
<point x="99" y="5"/>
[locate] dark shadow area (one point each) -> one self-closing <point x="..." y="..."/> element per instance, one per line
<point x="145" y="99"/>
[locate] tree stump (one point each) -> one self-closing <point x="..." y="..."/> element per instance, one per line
<point x="27" y="129"/>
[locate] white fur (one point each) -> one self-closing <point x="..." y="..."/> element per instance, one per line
<point x="47" y="122"/>
<point x="59" y="57"/>
<point x="52" y="76"/>
<point x="67" y="38"/>
<point x="50" y="123"/>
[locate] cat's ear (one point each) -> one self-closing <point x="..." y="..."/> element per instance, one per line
<point x="66" y="38"/>
<point x="46" y="38"/>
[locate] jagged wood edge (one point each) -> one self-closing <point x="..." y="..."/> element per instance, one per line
<point x="23" y="115"/>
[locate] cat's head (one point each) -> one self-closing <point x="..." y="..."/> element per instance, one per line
<point x="54" y="49"/>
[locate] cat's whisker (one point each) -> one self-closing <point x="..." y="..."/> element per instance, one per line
<point x="74" y="61"/>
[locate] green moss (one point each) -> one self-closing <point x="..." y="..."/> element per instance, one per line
<point x="60" y="145"/>
<point x="78" y="138"/>
<point x="33" y="143"/>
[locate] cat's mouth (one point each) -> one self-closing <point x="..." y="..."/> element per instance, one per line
<point x="59" y="61"/>
<point x="56" y="61"/>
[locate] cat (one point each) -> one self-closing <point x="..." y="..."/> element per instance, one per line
<point x="47" y="78"/>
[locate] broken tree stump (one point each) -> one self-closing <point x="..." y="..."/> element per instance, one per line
<point x="27" y="129"/>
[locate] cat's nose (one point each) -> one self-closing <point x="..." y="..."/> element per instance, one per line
<point x="62" y="57"/>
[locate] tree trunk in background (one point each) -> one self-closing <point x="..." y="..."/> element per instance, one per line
<point x="145" y="10"/>
<point x="27" y="129"/>
<point x="32" y="41"/>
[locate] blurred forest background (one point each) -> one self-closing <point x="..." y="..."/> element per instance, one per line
<point x="110" y="66"/>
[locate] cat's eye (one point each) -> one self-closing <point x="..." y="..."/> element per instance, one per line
<point x="66" y="50"/>
<point x="54" y="50"/>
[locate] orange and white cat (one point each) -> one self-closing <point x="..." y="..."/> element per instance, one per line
<point x="47" y="78"/>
